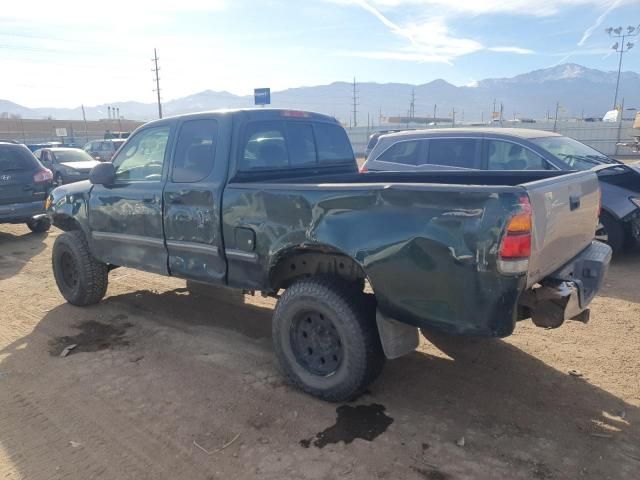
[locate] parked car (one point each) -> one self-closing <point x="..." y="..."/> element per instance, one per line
<point x="67" y="164"/>
<point x="271" y="199"/>
<point x="514" y="149"/>
<point x="373" y="139"/>
<point x="24" y="184"/>
<point x="103" y="150"/>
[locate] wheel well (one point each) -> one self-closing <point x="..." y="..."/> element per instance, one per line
<point x="67" y="224"/>
<point x="302" y="262"/>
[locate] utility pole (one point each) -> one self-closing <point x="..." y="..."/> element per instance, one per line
<point x="435" y="107"/>
<point x="481" y="117"/>
<point x="84" y="119"/>
<point x="501" y="111"/>
<point x="619" y="48"/>
<point x="493" y="112"/>
<point x="109" y="112"/>
<point x="453" y="117"/>
<point x="355" y="104"/>
<point x="412" y="105"/>
<point x="380" y="117"/>
<point x="156" y="69"/>
<point x="555" y="121"/>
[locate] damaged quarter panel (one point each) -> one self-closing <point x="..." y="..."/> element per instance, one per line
<point x="429" y="252"/>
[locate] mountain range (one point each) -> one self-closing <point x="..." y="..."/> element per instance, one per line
<point x="578" y="90"/>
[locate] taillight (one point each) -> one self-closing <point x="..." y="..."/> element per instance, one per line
<point x="364" y="169"/>
<point x="515" y="249"/>
<point x="42" y="176"/>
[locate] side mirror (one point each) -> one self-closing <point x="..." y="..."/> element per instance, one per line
<point x="103" y="174"/>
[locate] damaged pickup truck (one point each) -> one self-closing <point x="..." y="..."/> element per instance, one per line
<point x="271" y="201"/>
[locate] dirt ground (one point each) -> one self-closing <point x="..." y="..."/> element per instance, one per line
<point x="164" y="384"/>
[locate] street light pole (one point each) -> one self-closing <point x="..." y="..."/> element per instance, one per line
<point x="617" y="33"/>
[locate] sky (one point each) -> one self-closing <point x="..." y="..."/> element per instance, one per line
<point x="67" y="53"/>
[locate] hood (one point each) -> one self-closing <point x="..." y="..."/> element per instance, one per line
<point x="83" y="166"/>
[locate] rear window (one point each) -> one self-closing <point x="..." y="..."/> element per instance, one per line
<point x="281" y="144"/>
<point x="16" y="158"/>
<point x="332" y="143"/>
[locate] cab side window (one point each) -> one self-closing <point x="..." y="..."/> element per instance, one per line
<point x="504" y="155"/>
<point x="142" y="158"/>
<point x="195" y="150"/>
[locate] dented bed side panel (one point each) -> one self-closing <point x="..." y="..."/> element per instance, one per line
<point x="429" y="253"/>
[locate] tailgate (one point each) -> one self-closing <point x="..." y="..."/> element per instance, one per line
<point x="16" y="186"/>
<point x="565" y="217"/>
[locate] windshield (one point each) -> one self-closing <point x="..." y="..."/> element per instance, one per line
<point x="69" y="156"/>
<point x="575" y="155"/>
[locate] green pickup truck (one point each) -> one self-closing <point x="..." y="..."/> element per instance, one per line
<point x="271" y="200"/>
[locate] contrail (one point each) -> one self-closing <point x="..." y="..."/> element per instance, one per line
<point x="589" y="31"/>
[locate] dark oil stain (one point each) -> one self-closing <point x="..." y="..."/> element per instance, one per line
<point x="93" y="336"/>
<point x="431" y="473"/>
<point x="362" y="421"/>
<point x="18" y="252"/>
<point x="425" y="446"/>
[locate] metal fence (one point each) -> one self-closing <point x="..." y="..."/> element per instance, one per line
<point x="599" y="135"/>
<point x="77" y="131"/>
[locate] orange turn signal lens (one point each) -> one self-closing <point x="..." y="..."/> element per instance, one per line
<point x="520" y="223"/>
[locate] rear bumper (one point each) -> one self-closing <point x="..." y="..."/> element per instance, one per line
<point x="567" y="293"/>
<point x="20" y="212"/>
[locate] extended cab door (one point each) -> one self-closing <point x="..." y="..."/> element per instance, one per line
<point x="192" y="197"/>
<point x="126" y="218"/>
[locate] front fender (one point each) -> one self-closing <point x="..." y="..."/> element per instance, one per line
<point x="67" y="207"/>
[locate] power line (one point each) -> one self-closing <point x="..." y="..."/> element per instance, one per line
<point x="156" y="69"/>
<point x="412" y="104"/>
<point x="355" y="103"/>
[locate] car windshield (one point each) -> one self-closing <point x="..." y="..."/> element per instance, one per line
<point x="575" y="155"/>
<point x="70" y="156"/>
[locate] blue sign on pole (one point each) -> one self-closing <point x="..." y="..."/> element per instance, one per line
<point x="262" y="96"/>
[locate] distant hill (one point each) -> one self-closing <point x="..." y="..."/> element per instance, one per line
<point x="580" y="91"/>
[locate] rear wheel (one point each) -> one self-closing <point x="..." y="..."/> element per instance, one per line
<point x="81" y="279"/>
<point x="325" y="338"/>
<point x="611" y="231"/>
<point x="39" y="225"/>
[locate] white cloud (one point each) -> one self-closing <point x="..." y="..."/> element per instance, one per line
<point x="537" y="8"/>
<point x="429" y="40"/>
<point x="132" y="13"/>
<point x="517" y="50"/>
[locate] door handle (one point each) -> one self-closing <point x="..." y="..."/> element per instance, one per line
<point x="574" y="202"/>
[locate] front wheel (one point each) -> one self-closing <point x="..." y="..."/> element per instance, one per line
<point x="81" y="278"/>
<point x="40" y="225"/>
<point x="326" y="339"/>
